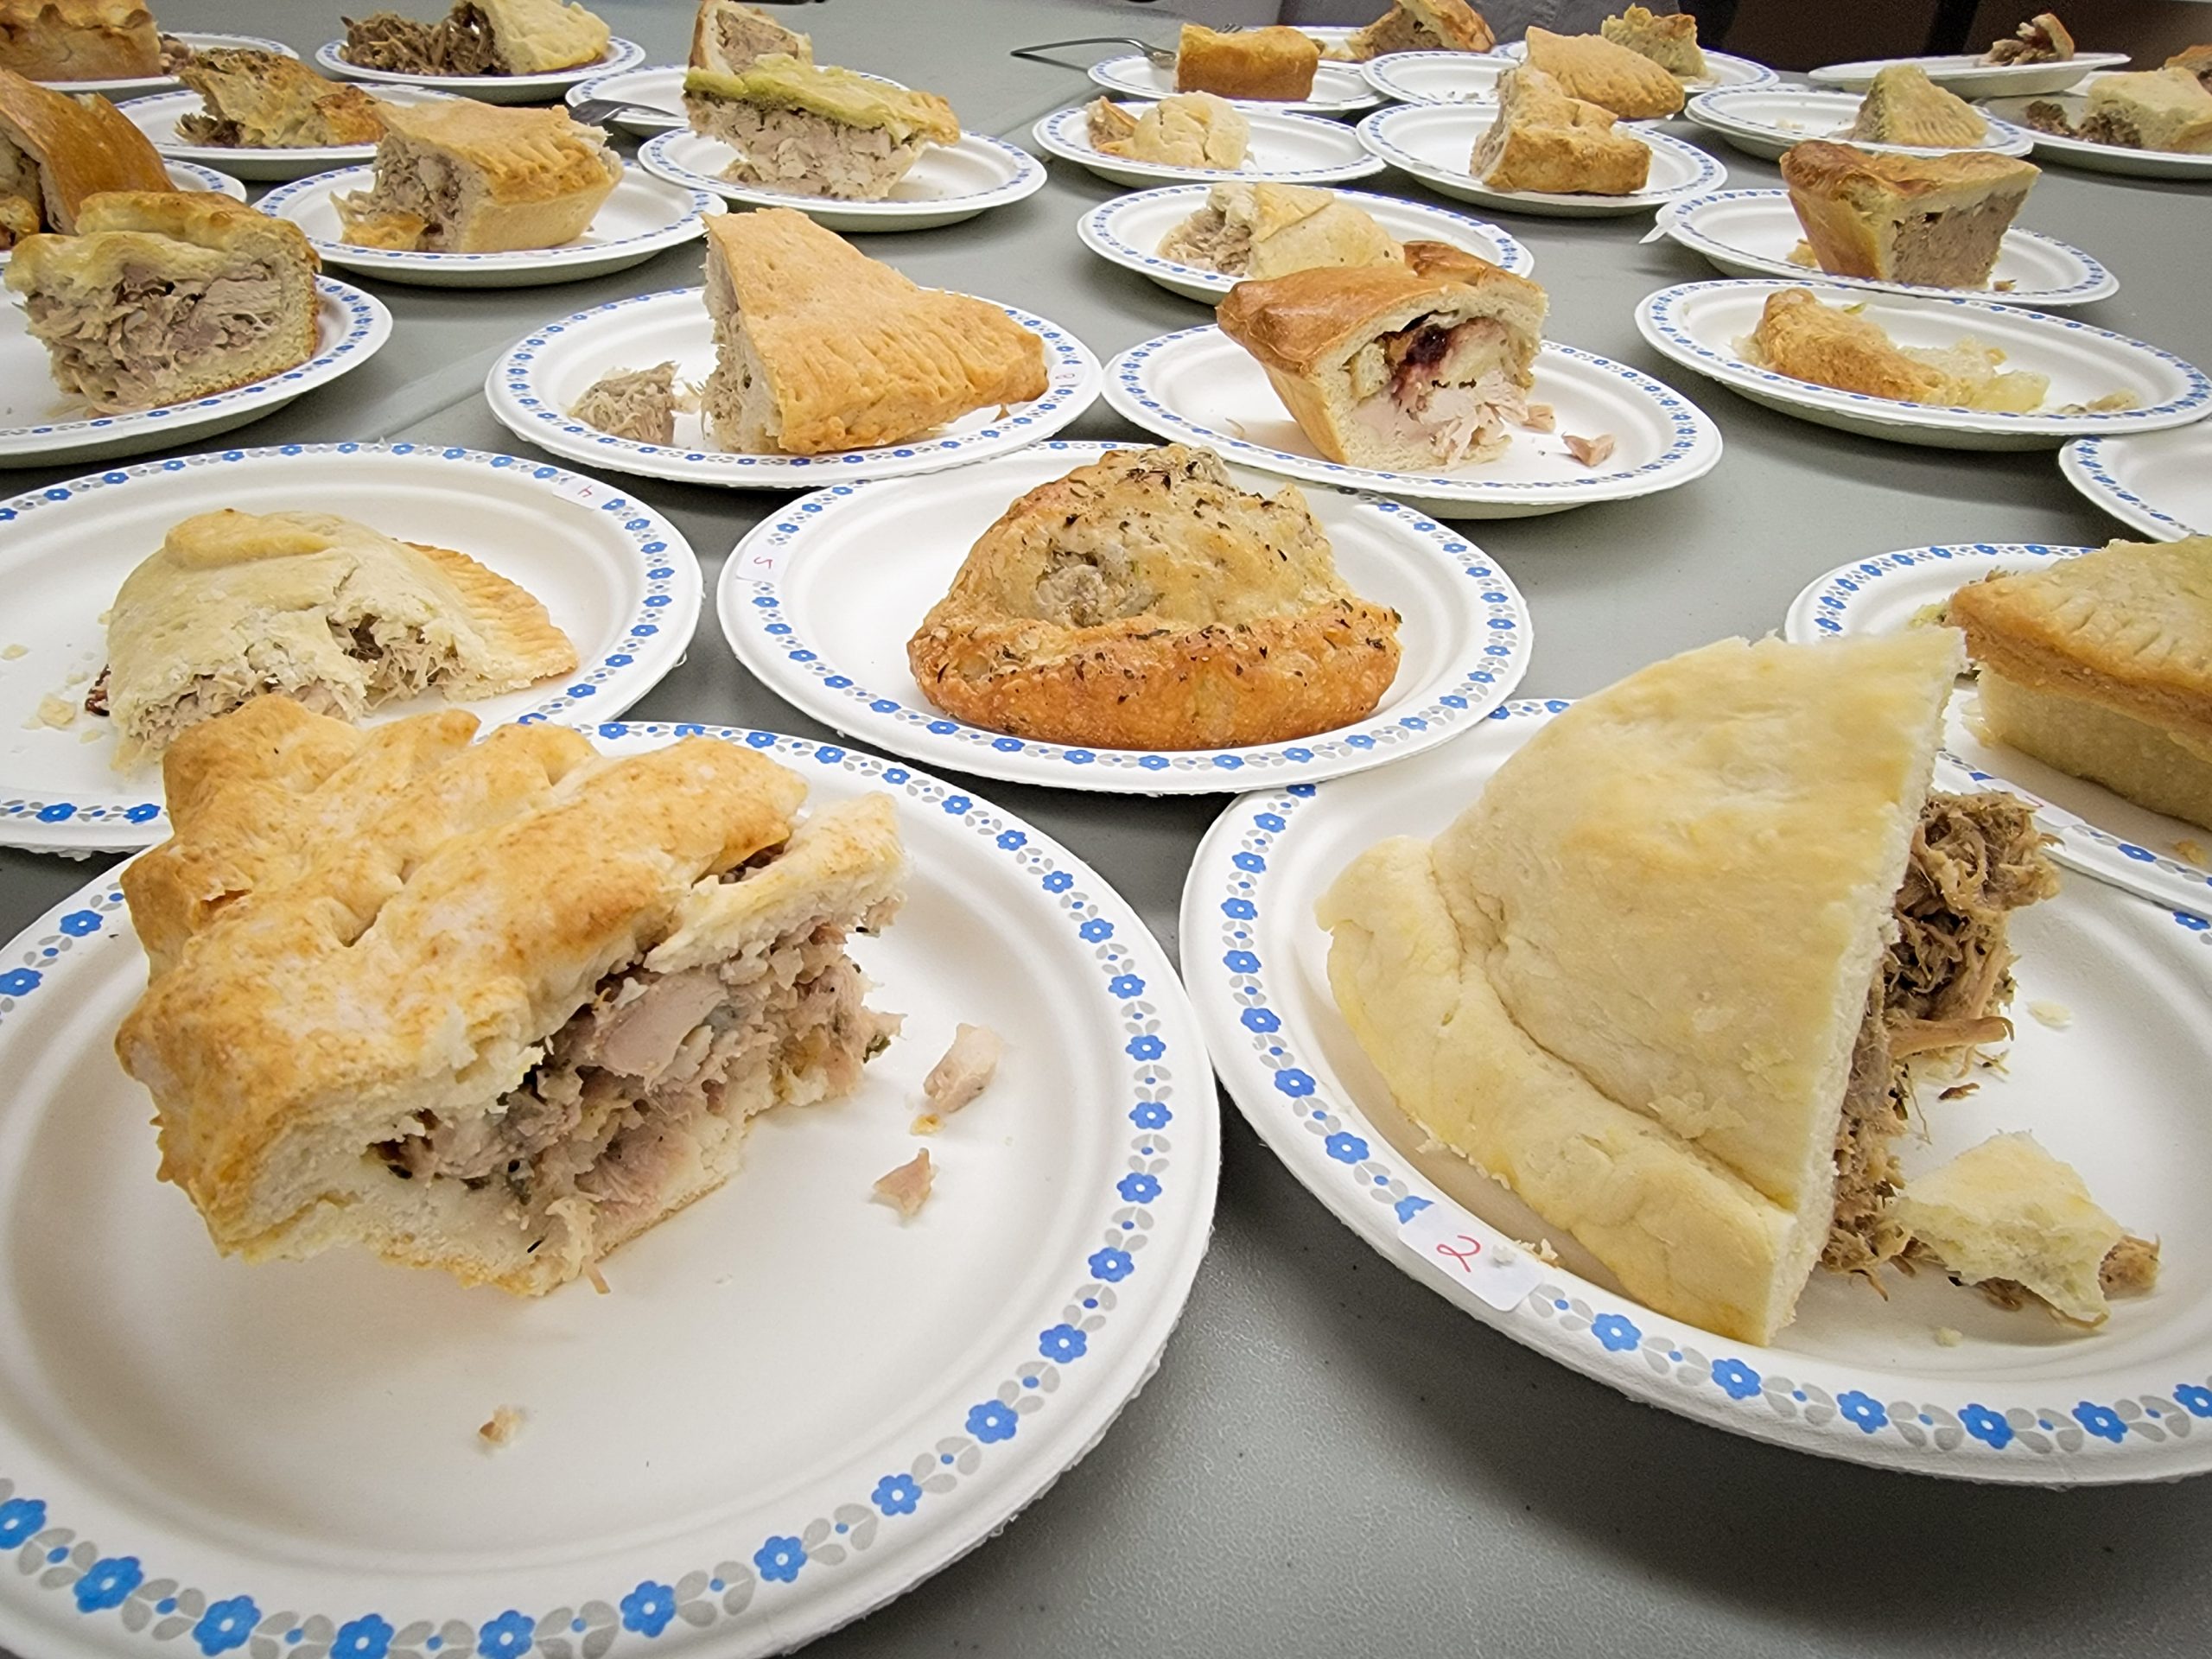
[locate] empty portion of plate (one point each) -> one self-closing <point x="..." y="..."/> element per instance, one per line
<point x="1967" y="75"/>
<point x="1437" y="77"/>
<point x="2160" y="483"/>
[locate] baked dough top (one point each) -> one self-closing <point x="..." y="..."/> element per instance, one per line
<point x="782" y="81"/>
<point x="1590" y="66"/>
<point x="278" y="101"/>
<point x="535" y="37"/>
<point x="1902" y="106"/>
<point x="1878" y="181"/>
<point x="81" y="147"/>
<point x="178" y="233"/>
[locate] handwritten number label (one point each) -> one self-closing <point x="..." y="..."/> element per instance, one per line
<point x="1457" y="1247"/>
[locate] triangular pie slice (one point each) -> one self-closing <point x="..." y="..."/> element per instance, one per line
<point x="1597" y="70"/>
<point x="1270" y="230"/>
<point x="727" y="35"/>
<point x="1902" y="106"/>
<point x="265" y="101"/>
<point x="1669" y="39"/>
<point x="1543" y="139"/>
<point x="1423" y="26"/>
<point x="1938" y="221"/>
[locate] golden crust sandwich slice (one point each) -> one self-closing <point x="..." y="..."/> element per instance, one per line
<point x="1270" y="230"/>
<point x="364" y="1024"/>
<point x="815" y="130"/>
<point x="1422" y="26"/>
<point x="265" y="101"/>
<point x="1275" y="64"/>
<point x="1937" y="221"/>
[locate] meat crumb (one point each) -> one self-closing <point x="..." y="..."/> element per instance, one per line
<point x="965" y="1072"/>
<point x="1802" y="255"/>
<point x="2193" y="851"/>
<point x="2056" y="1015"/>
<point x="1591" y="452"/>
<point x="926" y="1124"/>
<point x="1958" y="1091"/>
<point x="10" y="652"/>
<point x="907" y="1187"/>
<point x="2004" y="284"/>
<point x="60" y="713"/>
<point x="1540" y="418"/>
<point x="1947" y="1337"/>
<point x="598" y="1279"/>
<point x="505" y="1424"/>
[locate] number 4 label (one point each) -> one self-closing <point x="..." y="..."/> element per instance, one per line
<point x="1457" y="1247"/>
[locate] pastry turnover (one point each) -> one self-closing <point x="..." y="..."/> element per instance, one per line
<point x="1145" y="601"/>
<point x="2101" y="666"/>
<point x="820" y="349"/>
<point x="264" y="101"/>
<point x="1403" y="368"/>
<point x="2042" y="39"/>
<point x="79" y="40"/>
<point x="1902" y="106"/>
<point x="1276" y="63"/>
<point x="364" y="1024"/>
<point x="482" y="37"/>
<point x="816" y="132"/>
<point x="314" y="607"/>
<point x="1598" y="71"/>
<point x="1669" y="977"/>
<point x="1188" y="129"/>
<point x="729" y="37"/>
<point x="55" y="151"/>
<point x="1270" y="230"/>
<point x="1938" y="220"/>
<point x="1543" y="139"/>
<point x="1670" y="40"/>
<point x="458" y="176"/>
<point x="164" y="297"/>
<point x="1835" y="346"/>
<point x="1423" y="26"/>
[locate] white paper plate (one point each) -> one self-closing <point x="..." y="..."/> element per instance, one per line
<point x="1433" y="142"/>
<point x="2099" y="158"/>
<point x="2160" y="483"/>
<point x="1751" y="233"/>
<point x="821" y="616"/>
<point x="1697" y="324"/>
<point x="1721" y="69"/>
<point x="1200" y="386"/>
<point x="1128" y="230"/>
<point x="129" y="86"/>
<point x="260" y="1443"/>
<point x="1437" y="77"/>
<point x="644" y="215"/>
<point x="1767" y="120"/>
<point x="157" y="117"/>
<point x="1287" y="148"/>
<point x="2098" y="832"/>
<point x="490" y="89"/>
<point x="41" y="426"/>
<point x="948" y="182"/>
<point x="619" y="580"/>
<point x="1969" y="76"/>
<point x="1855" y="1376"/>
<point x="531" y="388"/>
<point x="1339" y="88"/>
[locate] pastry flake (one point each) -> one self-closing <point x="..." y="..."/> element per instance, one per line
<point x="1836" y="347"/>
<point x="1601" y="72"/>
<point x="265" y="101"/>
<point x="458" y="176"/>
<point x="1422" y="26"/>
<point x="55" y="151"/>
<point x="1270" y="230"/>
<point x="79" y="40"/>
<point x="1188" y="129"/>
<point x="1902" y="106"/>
<point x="1542" y="139"/>
<point x="1275" y="63"/>
<point x="1935" y="221"/>
<point x="1670" y="40"/>
<point x="814" y="131"/>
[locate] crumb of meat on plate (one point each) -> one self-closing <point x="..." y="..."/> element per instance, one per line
<point x="500" y="1429"/>
<point x="965" y="1070"/>
<point x="1591" y="452"/>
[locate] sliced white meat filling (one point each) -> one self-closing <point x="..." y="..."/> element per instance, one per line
<point x="1449" y="384"/>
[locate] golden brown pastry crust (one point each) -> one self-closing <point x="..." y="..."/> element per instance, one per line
<point x="1276" y="63"/>
<point x="81" y="147"/>
<point x="1669" y="39"/>
<point x="79" y="40"/>
<point x="1542" y="139"/>
<point x="1423" y="26"/>
<point x="1245" y="633"/>
<point x="1808" y="340"/>
<point x="1849" y="200"/>
<point x="1291" y="323"/>
<point x="1594" y="69"/>
<point x="278" y="103"/>
<point x="1902" y="106"/>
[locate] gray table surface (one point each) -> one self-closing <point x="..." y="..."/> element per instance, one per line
<point x="1330" y="1459"/>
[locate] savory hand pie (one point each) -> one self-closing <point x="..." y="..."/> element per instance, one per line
<point x="1935" y="221"/>
<point x="2101" y="666"/>
<point x="820" y="348"/>
<point x="55" y="151"/>
<point x="79" y="40"/>
<point x="480" y="37"/>
<point x="1834" y="346"/>
<point x="729" y="36"/>
<point x="1188" y="129"/>
<point x="1270" y="230"/>
<point x="1423" y="26"/>
<point x="1146" y="602"/>
<point x="165" y="297"/>
<point x="323" y="610"/>
<point x="1404" y="368"/>
<point x="382" y="1033"/>
<point x="1669" y="40"/>
<point x="1902" y="106"/>
<point x="1596" y="70"/>
<point x="458" y="176"/>
<point x="2042" y="39"/>
<point x="265" y="101"/>
<point x="816" y="132"/>
<point x="1668" y="977"/>
<point x="1276" y="63"/>
<point x="1543" y="139"/>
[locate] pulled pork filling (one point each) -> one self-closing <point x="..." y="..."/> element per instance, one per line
<point x="2032" y="43"/>
<point x="411" y="185"/>
<point x="460" y="44"/>
<point x="1956" y="249"/>
<point x="1975" y="859"/>
<point x="640" y="405"/>
<point x="1448" y="383"/>
<point x="806" y="154"/>
<point x="121" y="349"/>
<point x="2104" y="127"/>
<point x="1212" y="241"/>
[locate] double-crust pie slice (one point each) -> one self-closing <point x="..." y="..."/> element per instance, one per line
<point x="55" y="151"/>
<point x="1275" y="63"/>
<point x="814" y="131"/>
<point x="1599" y="71"/>
<point x="1268" y="230"/>
<point x="458" y="176"/>
<point x="79" y="40"/>
<point x="265" y="101"/>
<point x="1542" y="139"/>
<point x="1938" y="220"/>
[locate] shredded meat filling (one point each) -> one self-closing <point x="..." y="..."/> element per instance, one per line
<point x="116" y="349"/>
<point x="807" y="153"/>
<point x="1448" y="381"/>
<point x="459" y="44"/>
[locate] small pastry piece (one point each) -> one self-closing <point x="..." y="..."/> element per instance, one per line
<point x="2101" y="666"/>
<point x="482" y="37"/>
<point x="384" y="1034"/>
<point x="1669" y="41"/>
<point x="1594" y="69"/>
<point x="264" y="101"/>
<point x="640" y="405"/>
<point x="2197" y="60"/>
<point x="730" y="37"/>
<point x="79" y="40"/>
<point x="1188" y="129"/>
<point x="816" y="132"/>
<point x="1276" y="63"/>
<point x="1936" y="221"/>
<point x="1541" y="139"/>
<point x="2042" y="39"/>
<point x="317" y="608"/>
<point x="1422" y="26"/>
<point x="2156" y="109"/>
<point x="55" y="151"/>
<point x="1902" y="106"/>
<point x="1399" y="369"/>
<point x="820" y="348"/>
<point x="1145" y="601"/>
<point x="164" y="297"/>
<point x="1270" y="230"/>
<point x="1831" y="346"/>
<point x="458" y="176"/>
<point x="2008" y="1217"/>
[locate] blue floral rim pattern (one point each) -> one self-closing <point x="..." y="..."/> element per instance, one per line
<point x="2086" y="462"/>
<point x="1612" y="1343"/>
<point x="1706" y="174"/>
<point x="620" y="55"/>
<point x="1029" y="178"/>
<point x="103" y="1579"/>
<point x="207" y="178"/>
<point x="1480" y="688"/>
<point x="668" y="571"/>
<point x="1063" y="134"/>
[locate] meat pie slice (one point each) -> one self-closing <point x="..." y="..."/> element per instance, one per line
<point x="1938" y="220"/>
<point x="56" y="150"/>
<point x="816" y="132"/>
<point x="456" y="176"/>
<point x="493" y="1008"/>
